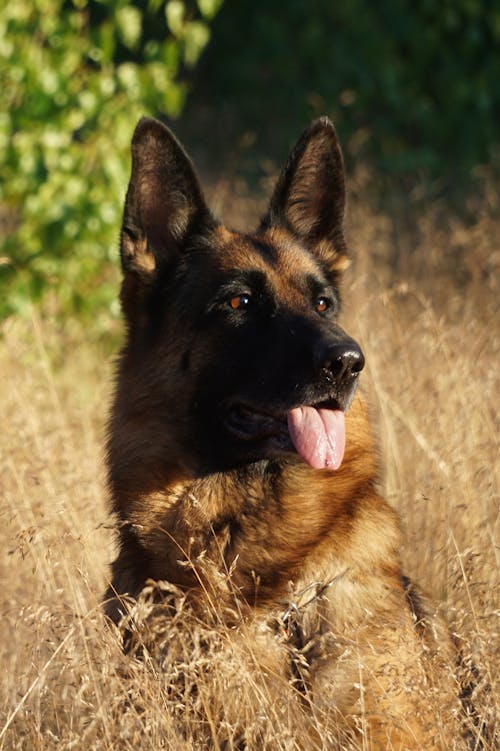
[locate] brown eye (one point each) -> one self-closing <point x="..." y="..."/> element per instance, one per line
<point x="239" y="301"/>
<point x="322" y="304"/>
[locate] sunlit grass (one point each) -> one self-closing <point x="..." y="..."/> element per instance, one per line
<point x="431" y="340"/>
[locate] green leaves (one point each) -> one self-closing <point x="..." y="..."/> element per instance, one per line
<point x="129" y="23"/>
<point x="193" y="35"/>
<point x="76" y="76"/>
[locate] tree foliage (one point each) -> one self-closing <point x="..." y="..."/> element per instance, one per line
<point x="75" y="75"/>
<point x="412" y="85"/>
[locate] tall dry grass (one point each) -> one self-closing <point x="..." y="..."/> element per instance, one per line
<point x="427" y="316"/>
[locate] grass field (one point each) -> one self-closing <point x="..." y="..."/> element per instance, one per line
<point x="426" y="313"/>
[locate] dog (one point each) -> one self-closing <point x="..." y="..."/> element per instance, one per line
<point x="239" y="450"/>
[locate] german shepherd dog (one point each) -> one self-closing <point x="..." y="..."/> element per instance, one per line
<point x="239" y="449"/>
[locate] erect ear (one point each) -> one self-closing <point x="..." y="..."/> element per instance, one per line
<point x="164" y="200"/>
<point x="309" y="198"/>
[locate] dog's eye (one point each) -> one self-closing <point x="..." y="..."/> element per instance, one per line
<point x="238" y="302"/>
<point x="322" y="304"/>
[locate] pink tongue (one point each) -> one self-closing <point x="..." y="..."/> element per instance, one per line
<point x="318" y="435"/>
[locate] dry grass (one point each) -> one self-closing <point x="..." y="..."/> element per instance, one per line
<point x="430" y="332"/>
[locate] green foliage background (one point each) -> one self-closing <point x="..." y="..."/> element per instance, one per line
<point x="75" y="76"/>
<point x="412" y="86"/>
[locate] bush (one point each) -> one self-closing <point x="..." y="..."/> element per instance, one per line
<point x="76" y="75"/>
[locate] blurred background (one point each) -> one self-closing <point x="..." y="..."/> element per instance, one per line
<point x="412" y="87"/>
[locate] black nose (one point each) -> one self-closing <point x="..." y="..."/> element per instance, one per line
<point x="342" y="361"/>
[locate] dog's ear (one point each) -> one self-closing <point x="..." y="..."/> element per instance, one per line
<point x="309" y="198"/>
<point x="164" y="201"/>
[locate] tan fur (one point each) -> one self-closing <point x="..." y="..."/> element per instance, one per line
<point x="369" y="668"/>
<point x="303" y="564"/>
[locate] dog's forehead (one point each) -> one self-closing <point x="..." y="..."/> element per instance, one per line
<point x="274" y="253"/>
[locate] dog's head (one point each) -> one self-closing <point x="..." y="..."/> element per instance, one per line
<point x="234" y="353"/>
